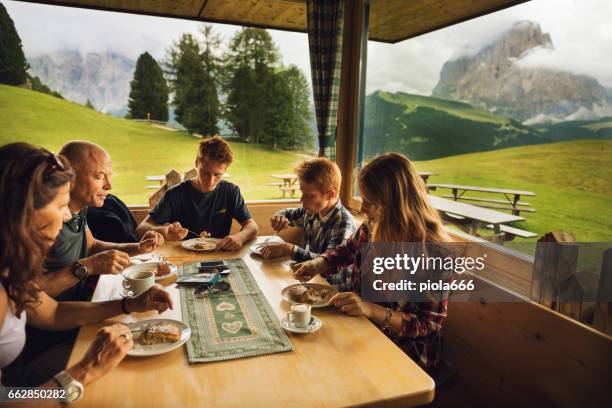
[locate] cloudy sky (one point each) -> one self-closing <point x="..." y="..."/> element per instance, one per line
<point x="581" y="32"/>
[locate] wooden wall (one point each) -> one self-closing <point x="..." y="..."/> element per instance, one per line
<point x="522" y="354"/>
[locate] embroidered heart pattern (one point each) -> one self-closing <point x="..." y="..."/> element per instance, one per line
<point x="228" y="316"/>
<point x="232" y="327"/>
<point x="223" y="306"/>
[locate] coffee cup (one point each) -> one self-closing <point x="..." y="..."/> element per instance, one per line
<point x="299" y="315"/>
<point x="137" y="281"/>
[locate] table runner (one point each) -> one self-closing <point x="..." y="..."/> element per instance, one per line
<point x="236" y="324"/>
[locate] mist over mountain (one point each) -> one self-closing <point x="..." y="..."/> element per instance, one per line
<point x="499" y="79"/>
<point x="103" y="78"/>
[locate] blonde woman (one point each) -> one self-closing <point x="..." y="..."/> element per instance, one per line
<point x="397" y="210"/>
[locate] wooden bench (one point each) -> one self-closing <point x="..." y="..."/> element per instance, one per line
<point x="290" y="189"/>
<point x="512" y="231"/>
<point x="515" y="210"/>
<point x="484" y="200"/>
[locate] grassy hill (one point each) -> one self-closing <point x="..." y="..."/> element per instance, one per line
<point x="575" y="129"/>
<point x="137" y="149"/>
<point x="572" y="181"/>
<point x="429" y="128"/>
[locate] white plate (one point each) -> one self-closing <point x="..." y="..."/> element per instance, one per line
<point x="152" y="267"/>
<point x="315" y="324"/>
<point x="141" y="350"/>
<point x="188" y="244"/>
<point x="331" y="291"/>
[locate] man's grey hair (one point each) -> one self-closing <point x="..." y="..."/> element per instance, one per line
<point x="78" y="152"/>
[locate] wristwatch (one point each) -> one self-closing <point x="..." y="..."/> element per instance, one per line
<point x="79" y="270"/>
<point x="74" y="389"/>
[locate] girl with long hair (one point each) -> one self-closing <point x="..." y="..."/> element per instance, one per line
<point x="394" y="200"/>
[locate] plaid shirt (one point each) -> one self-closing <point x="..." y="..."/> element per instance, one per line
<point x="421" y="334"/>
<point x="322" y="234"/>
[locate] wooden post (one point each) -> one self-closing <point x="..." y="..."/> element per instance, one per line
<point x="603" y="309"/>
<point x="173" y="177"/>
<point x="554" y="263"/>
<point x="189" y="174"/>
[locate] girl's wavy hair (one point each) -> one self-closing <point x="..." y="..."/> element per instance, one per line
<point x="399" y="197"/>
<point x="30" y="178"/>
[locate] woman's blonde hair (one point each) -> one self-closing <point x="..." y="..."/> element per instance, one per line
<point x="399" y="197"/>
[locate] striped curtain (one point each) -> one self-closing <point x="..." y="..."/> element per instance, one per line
<point x="325" y="30"/>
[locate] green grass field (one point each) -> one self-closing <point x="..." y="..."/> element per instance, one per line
<point x="572" y="180"/>
<point x="137" y="149"/>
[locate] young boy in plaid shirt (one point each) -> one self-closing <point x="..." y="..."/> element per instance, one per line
<point x="325" y="221"/>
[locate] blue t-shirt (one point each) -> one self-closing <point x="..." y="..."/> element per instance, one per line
<point x="212" y="211"/>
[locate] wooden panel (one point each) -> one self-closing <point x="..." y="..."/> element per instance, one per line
<point x="396" y="20"/>
<point x="522" y="354"/>
<point x="391" y="20"/>
<point x="263" y="13"/>
<point x="170" y="8"/>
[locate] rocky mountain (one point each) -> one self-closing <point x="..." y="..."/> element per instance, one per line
<point x="495" y="79"/>
<point x="103" y="78"/>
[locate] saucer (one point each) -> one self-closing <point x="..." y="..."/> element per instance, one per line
<point x="315" y="324"/>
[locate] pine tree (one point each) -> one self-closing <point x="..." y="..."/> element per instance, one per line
<point x="192" y="79"/>
<point x="303" y="137"/>
<point x="13" y="65"/>
<point x="89" y="105"/>
<point x="249" y="67"/>
<point x="149" y="91"/>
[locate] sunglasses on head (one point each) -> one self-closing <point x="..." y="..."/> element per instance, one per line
<point x="53" y="164"/>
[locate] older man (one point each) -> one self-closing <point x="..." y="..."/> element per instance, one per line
<point x="204" y="203"/>
<point x="76" y="254"/>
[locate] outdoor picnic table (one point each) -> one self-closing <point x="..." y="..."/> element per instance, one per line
<point x="288" y="183"/>
<point x="512" y="197"/>
<point x="348" y="362"/>
<point x="475" y="216"/>
<point x="288" y="179"/>
<point x="426" y="174"/>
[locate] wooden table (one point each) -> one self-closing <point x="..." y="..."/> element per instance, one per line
<point x="426" y="174"/>
<point x="512" y="197"/>
<point x="475" y="216"/>
<point x="348" y="362"/>
<point x="159" y="179"/>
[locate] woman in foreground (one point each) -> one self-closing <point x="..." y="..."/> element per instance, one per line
<point x="34" y="195"/>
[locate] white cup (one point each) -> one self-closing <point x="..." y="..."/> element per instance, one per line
<point x="299" y="315"/>
<point x="138" y="281"/>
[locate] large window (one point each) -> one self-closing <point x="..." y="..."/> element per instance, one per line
<point x="509" y="104"/>
<point x="251" y="86"/>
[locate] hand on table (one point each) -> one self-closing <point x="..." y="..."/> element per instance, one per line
<point x="351" y="304"/>
<point x="230" y="243"/>
<point x="106" y="351"/>
<point x="154" y="298"/>
<point x="150" y="241"/>
<point x="276" y="250"/>
<point x="106" y="263"/>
